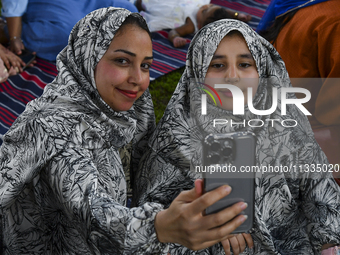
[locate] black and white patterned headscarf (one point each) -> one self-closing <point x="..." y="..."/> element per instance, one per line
<point x="290" y="214"/>
<point x="63" y="163"/>
<point x="184" y="109"/>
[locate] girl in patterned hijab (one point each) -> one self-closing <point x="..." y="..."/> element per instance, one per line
<point x="69" y="161"/>
<point x="295" y="211"/>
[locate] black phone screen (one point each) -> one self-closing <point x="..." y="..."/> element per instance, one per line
<point x="27" y="57"/>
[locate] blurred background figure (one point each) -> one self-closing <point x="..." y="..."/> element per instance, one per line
<point x="307" y="36"/>
<point x="183" y="17"/>
<point x="10" y="64"/>
<point x="44" y="26"/>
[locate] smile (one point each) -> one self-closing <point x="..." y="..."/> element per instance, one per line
<point x="128" y="93"/>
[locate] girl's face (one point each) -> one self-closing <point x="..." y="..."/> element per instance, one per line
<point x="122" y="74"/>
<point x="231" y="64"/>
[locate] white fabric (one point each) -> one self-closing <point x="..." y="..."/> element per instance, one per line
<point x="162" y="14"/>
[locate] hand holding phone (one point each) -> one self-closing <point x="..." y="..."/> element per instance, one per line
<point x="225" y="156"/>
<point x="28" y="57"/>
<point x="184" y="223"/>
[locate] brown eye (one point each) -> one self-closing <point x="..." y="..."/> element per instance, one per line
<point x="217" y="65"/>
<point x="122" y="61"/>
<point x="245" y="65"/>
<point x="146" y="66"/>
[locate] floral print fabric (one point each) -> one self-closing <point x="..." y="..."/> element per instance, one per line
<point x="62" y="184"/>
<point x="295" y="213"/>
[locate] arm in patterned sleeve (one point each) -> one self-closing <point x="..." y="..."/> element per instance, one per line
<point x="321" y="203"/>
<point x="161" y="182"/>
<point x="91" y="195"/>
<point x="69" y="199"/>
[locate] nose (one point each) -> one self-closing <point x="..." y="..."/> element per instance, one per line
<point x="135" y="76"/>
<point x="232" y="75"/>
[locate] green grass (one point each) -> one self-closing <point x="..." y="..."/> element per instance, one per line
<point x="161" y="91"/>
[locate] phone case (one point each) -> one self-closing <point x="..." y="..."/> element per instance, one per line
<point x="27" y="57"/>
<point x="227" y="159"/>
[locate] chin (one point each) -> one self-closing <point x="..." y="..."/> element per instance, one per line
<point x="121" y="109"/>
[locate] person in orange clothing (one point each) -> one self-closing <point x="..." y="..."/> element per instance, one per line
<point x="306" y="34"/>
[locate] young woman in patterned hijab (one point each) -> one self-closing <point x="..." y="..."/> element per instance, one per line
<point x="68" y="162"/>
<point x="294" y="212"/>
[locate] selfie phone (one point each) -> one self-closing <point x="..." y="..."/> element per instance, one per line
<point x="228" y="159"/>
<point x="27" y="56"/>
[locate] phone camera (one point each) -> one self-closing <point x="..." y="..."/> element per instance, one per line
<point x="215" y="146"/>
<point x="215" y="159"/>
<point x="210" y="139"/>
<point x="227" y="151"/>
<point x="219" y="151"/>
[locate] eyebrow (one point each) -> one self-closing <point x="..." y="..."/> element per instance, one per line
<point x="218" y="57"/>
<point x="131" y="53"/>
<point x="247" y="55"/>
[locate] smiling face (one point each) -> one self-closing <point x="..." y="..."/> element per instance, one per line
<point x="122" y="74"/>
<point x="232" y="64"/>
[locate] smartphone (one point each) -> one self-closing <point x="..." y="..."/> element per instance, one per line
<point x="27" y="56"/>
<point x="228" y="159"/>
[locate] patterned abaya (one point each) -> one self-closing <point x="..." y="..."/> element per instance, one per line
<point x="295" y="213"/>
<point x="65" y="161"/>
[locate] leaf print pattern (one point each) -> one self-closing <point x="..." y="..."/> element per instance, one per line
<point x="294" y="213"/>
<point x="62" y="185"/>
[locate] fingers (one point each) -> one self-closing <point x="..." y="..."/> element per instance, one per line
<point x="219" y="232"/>
<point x="11" y="61"/>
<point x="33" y="63"/>
<point x="216" y="235"/>
<point x="184" y="223"/>
<point x="15" y="62"/>
<point x="209" y="198"/>
<point x="249" y="240"/>
<point x="6" y="62"/>
<point x="237" y="243"/>
<point x="199" y="187"/>
<point x="13" y="71"/>
<point x="226" y="246"/>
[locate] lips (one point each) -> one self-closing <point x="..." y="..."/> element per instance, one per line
<point x="226" y="93"/>
<point x="128" y="93"/>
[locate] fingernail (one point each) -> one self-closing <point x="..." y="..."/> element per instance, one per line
<point x="243" y="206"/>
<point x="243" y="218"/>
<point x="227" y="188"/>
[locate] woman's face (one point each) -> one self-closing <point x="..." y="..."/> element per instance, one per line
<point x="232" y="64"/>
<point x="122" y="75"/>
